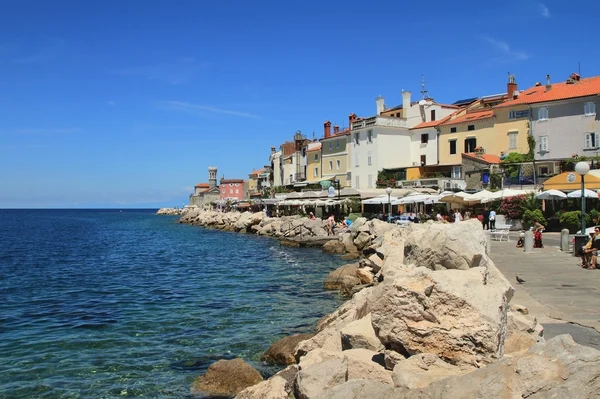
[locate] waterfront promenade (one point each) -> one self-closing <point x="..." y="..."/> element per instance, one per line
<point x="556" y="291"/>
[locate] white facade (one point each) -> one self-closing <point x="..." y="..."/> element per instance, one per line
<point x="289" y="169"/>
<point x="424" y="147"/>
<point x="276" y="169"/>
<point x="377" y="143"/>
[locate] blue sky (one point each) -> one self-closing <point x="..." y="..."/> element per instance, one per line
<point x="126" y="103"/>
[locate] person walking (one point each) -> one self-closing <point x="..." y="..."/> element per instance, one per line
<point x="486" y="219"/>
<point x="492" y="218"/>
<point x="457" y="216"/>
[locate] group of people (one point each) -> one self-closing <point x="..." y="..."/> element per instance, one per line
<point x="331" y="223"/>
<point x="537" y="228"/>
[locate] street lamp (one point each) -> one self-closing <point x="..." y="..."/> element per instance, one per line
<point x="389" y="192"/>
<point x="582" y="168"/>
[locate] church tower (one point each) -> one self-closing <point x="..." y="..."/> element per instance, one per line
<point x="212" y="176"/>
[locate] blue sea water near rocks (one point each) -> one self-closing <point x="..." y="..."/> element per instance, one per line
<point x="113" y="304"/>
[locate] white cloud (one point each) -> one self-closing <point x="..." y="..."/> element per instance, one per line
<point x="508" y="54"/>
<point x="198" y="109"/>
<point x="544" y="10"/>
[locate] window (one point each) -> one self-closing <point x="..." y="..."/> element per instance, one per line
<point x="370" y="181"/>
<point x="543" y="114"/>
<point x="423" y="160"/>
<point x="453" y="147"/>
<point x="237" y="190"/>
<point x="512" y="140"/>
<point x="369" y="136"/>
<point x="453" y="129"/>
<point x="543" y="170"/>
<point x="589" y="108"/>
<point x="432" y="115"/>
<point x="470" y="144"/>
<point x="591" y="141"/>
<point x="456" y="172"/>
<point x="304" y="151"/>
<point x="369" y="162"/>
<point x="356" y="159"/>
<point x="357" y="182"/>
<point x="331" y="145"/>
<point x="543" y="144"/>
<point x="518" y="114"/>
<point x="330" y="165"/>
<point x="316" y="172"/>
<point x="338" y="164"/>
<point x="337" y="144"/>
<point x="316" y="157"/>
<point x="424" y="138"/>
<point x="471" y="127"/>
<point x="357" y="138"/>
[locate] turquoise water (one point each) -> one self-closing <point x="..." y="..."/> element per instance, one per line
<point x="109" y="304"/>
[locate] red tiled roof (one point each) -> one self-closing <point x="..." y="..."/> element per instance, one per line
<point x="489" y="158"/>
<point x="224" y="181"/>
<point x="431" y="123"/>
<point x="202" y="185"/>
<point x="257" y="172"/>
<point x="344" y="132"/>
<point x="470" y="117"/>
<point x="558" y="91"/>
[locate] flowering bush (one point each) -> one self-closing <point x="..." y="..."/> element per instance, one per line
<point x="512" y="207"/>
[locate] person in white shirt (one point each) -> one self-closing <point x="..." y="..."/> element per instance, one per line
<point x="457" y="216"/>
<point x="492" y="219"/>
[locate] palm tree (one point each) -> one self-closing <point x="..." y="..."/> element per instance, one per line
<point x="531" y="202"/>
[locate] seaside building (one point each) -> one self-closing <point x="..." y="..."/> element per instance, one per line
<point x="259" y="180"/>
<point x="385" y="141"/>
<point x="313" y="159"/>
<point x="334" y="153"/>
<point x="562" y="119"/>
<point x="477" y="167"/>
<point x="276" y="175"/>
<point x="232" y="189"/>
<point x="206" y="194"/>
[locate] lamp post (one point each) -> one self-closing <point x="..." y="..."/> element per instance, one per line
<point x="582" y="168"/>
<point x="389" y="193"/>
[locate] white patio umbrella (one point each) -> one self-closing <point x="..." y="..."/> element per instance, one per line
<point x="458" y="198"/>
<point x="587" y="194"/>
<point x="552" y="195"/>
<point x="381" y="199"/>
<point x="482" y="195"/>
<point x="506" y="193"/>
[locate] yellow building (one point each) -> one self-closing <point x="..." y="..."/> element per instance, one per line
<point x="313" y="162"/>
<point x="512" y="129"/>
<point x="335" y="154"/>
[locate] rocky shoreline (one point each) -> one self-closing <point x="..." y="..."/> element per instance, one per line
<point x="429" y="317"/>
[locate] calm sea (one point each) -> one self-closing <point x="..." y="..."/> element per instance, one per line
<point x="113" y="304"/>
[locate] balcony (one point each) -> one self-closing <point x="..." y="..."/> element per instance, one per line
<point x="441" y="183"/>
<point x="379" y="121"/>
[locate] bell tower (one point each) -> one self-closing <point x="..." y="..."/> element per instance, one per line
<point x="212" y="176"/>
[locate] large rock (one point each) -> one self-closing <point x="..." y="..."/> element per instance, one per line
<point x="334" y="247"/>
<point x="446" y="246"/>
<point x="365" y="275"/>
<point x="360" y="334"/>
<point x="558" y="368"/>
<point x="377" y="228"/>
<point x="280" y="386"/>
<point x="421" y="370"/>
<point x="335" y="279"/>
<point x="282" y="351"/>
<point x="316" y="227"/>
<point x="523" y="332"/>
<point x="362" y="389"/>
<point x="348" y="240"/>
<point x="319" y="377"/>
<point x="451" y="313"/>
<point x="362" y="240"/>
<point x="226" y="377"/>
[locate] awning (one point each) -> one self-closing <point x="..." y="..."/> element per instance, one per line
<point x="571" y="181"/>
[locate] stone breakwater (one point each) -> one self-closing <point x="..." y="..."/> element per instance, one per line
<point x="171" y="211"/>
<point x="433" y="321"/>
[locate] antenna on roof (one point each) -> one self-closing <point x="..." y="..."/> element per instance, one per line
<point x="579" y="68"/>
<point x="424" y="92"/>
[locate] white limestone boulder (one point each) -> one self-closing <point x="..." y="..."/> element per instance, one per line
<point x="360" y="334"/>
<point x="421" y="370"/>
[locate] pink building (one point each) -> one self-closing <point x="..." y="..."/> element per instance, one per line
<point x="232" y="189"/>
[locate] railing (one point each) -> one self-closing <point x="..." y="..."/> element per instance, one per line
<point x="379" y="121"/>
<point x="443" y="183"/>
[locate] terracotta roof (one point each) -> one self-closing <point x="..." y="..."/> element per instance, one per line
<point x="431" y="123"/>
<point x="314" y="147"/>
<point x="559" y="91"/>
<point x="224" y="181"/>
<point x="470" y="117"/>
<point x="202" y="185"/>
<point x="257" y="172"/>
<point x="344" y="132"/>
<point x="488" y="158"/>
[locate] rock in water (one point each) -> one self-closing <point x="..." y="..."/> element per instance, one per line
<point x="226" y="377"/>
<point x="282" y="351"/>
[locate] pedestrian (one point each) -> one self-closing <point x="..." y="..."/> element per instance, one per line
<point x="492" y="218"/>
<point x="330" y="224"/>
<point x="457" y="216"/>
<point x="486" y="219"/>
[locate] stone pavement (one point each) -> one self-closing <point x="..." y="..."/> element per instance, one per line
<point x="556" y="288"/>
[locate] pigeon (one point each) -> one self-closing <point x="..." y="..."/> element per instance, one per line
<point x="520" y="280"/>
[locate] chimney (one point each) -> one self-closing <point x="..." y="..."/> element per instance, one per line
<point x="336" y="129"/>
<point x="405" y="102"/>
<point x="327" y="129"/>
<point x="575" y="77"/>
<point x="511" y="88"/>
<point x="272" y="150"/>
<point x="351" y="118"/>
<point x="380" y="105"/>
<point x="548" y="85"/>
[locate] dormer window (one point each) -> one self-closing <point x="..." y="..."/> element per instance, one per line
<point x="589" y="108"/>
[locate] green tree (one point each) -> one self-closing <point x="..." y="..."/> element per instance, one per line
<point x="531" y="203"/>
<point x="529" y="216"/>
